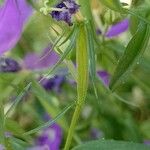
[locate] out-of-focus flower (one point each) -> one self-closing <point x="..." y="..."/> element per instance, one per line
<point x="53" y="83"/>
<point x="117" y="29"/>
<point x="45" y="147"/>
<point x="104" y="76"/>
<point x="32" y="61"/>
<point x="147" y="142"/>
<point x="9" y="65"/>
<point x="13" y="15"/>
<point x="50" y="138"/>
<point x="2" y="147"/>
<point x="47" y="59"/>
<point x="8" y="134"/>
<point x="96" y="133"/>
<point x="67" y="9"/>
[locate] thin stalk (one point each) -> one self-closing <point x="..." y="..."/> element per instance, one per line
<point x="2" y="137"/>
<point x="82" y="80"/>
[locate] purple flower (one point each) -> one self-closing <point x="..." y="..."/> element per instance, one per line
<point x="147" y="142"/>
<point x="50" y="138"/>
<point x="13" y="14"/>
<point x="117" y="29"/>
<point x="9" y="65"/>
<point x="96" y="133"/>
<point x="104" y="76"/>
<point x="69" y="7"/>
<point x="33" y="61"/>
<point x="53" y="83"/>
<point x="2" y="147"/>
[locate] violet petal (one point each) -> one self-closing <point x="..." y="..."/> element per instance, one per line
<point x="104" y="76"/>
<point x="32" y="61"/>
<point x="13" y="14"/>
<point x="118" y="28"/>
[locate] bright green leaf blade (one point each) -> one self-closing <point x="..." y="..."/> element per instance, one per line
<point x="133" y="52"/>
<point x="111" y="145"/>
<point x="112" y="4"/>
<point x="51" y="122"/>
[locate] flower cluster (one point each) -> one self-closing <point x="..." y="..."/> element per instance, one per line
<point x="67" y="9"/>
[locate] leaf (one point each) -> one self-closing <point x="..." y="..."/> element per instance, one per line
<point x="112" y="4"/>
<point x="133" y="52"/>
<point x="111" y="145"/>
<point x="46" y="101"/>
<point x="86" y="8"/>
<point x="51" y="122"/>
<point x="14" y="128"/>
<point x="91" y="53"/>
<point x="66" y="52"/>
<point x="18" y="99"/>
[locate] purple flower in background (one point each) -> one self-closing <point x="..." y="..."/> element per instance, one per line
<point x="13" y="14"/>
<point x="9" y="65"/>
<point x="53" y="83"/>
<point x="104" y="76"/>
<point x="147" y="142"/>
<point x="96" y="133"/>
<point x="117" y="29"/>
<point x="2" y="147"/>
<point x="48" y="58"/>
<point x="49" y="139"/>
<point x="67" y="9"/>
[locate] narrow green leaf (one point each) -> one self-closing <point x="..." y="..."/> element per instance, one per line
<point x="18" y="99"/>
<point x="14" y="128"/>
<point x="66" y="52"/>
<point x="133" y="52"/>
<point x="51" y="122"/>
<point x="91" y="53"/>
<point x="86" y="9"/>
<point x="111" y="145"/>
<point x="112" y="4"/>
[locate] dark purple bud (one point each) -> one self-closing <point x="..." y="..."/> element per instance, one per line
<point x="98" y="31"/>
<point x="53" y="83"/>
<point x="9" y="65"/>
<point x="69" y="7"/>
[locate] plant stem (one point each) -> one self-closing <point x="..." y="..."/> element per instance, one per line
<point x="82" y="80"/>
<point x="2" y="137"/>
<point x="73" y="125"/>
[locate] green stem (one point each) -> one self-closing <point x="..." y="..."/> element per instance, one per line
<point x="82" y="80"/>
<point x="73" y="125"/>
<point x="2" y="137"/>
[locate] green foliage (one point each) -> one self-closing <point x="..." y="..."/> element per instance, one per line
<point x="133" y="52"/>
<point x="111" y="145"/>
